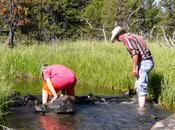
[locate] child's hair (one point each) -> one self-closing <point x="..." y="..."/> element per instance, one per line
<point x="44" y="66"/>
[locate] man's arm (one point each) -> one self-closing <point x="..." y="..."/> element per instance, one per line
<point x="51" y="88"/>
<point x="134" y="65"/>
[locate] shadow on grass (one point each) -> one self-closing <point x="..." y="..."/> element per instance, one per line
<point x="155" y="86"/>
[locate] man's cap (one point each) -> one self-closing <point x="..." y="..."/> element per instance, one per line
<point x="116" y="32"/>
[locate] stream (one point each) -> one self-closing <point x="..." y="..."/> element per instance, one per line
<point x="118" y="116"/>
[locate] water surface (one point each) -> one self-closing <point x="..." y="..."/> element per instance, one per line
<point x="34" y="87"/>
<point x="117" y="116"/>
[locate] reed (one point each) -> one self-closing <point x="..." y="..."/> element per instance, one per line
<point x="4" y="97"/>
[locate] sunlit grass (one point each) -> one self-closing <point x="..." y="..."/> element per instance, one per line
<point x="163" y="75"/>
<point x="95" y="64"/>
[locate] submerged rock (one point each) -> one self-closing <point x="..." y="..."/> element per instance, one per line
<point x="129" y="93"/>
<point x="16" y="99"/>
<point x="97" y="99"/>
<point x="64" y="104"/>
<point x="166" y="124"/>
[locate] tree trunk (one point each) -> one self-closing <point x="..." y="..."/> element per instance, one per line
<point x="173" y="38"/>
<point x="169" y="42"/>
<point x="97" y="29"/>
<point x="10" y="39"/>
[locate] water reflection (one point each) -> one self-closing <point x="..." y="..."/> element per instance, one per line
<point x="52" y="122"/>
<point x="89" y="117"/>
<point x="34" y="87"/>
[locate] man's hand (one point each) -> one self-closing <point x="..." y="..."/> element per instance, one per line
<point x="134" y="72"/>
<point x="53" y="99"/>
<point x="134" y="65"/>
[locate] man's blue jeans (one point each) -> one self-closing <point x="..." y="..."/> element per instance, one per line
<point x="144" y="67"/>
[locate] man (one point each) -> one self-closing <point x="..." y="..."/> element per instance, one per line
<point x="142" y="61"/>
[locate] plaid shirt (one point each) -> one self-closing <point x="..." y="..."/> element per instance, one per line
<point x="135" y="45"/>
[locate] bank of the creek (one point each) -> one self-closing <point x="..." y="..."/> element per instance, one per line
<point x="115" y="116"/>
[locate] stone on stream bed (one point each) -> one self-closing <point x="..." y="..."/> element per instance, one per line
<point x="64" y="104"/>
<point x="165" y="124"/>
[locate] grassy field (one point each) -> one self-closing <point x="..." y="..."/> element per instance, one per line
<point x="95" y="64"/>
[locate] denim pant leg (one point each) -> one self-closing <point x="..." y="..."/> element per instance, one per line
<point x="142" y="81"/>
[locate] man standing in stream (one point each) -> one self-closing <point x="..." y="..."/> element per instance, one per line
<point x="142" y="61"/>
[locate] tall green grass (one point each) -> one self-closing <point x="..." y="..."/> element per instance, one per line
<point x="167" y="96"/>
<point x="96" y="64"/>
<point x="4" y="97"/>
<point x="162" y="79"/>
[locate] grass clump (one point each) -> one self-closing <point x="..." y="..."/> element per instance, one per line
<point x="4" y="97"/>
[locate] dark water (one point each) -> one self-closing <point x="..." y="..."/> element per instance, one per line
<point x="121" y="116"/>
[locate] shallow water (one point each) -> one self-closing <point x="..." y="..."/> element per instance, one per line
<point x="34" y="87"/>
<point x="89" y="117"/>
<point x="121" y="116"/>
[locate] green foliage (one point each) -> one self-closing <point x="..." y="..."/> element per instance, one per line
<point x="61" y="18"/>
<point x="64" y="18"/>
<point x="135" y="15"/>
<point x="115" y="12"/>
<point x="107" y="12"/>
<point x="168" y="14"/>
<point x="93" y="12"/>
<point x="148" y="15"/>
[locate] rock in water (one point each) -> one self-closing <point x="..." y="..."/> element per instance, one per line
<point x="16" y="100"/>
<point x="64" y="104"/>
<point x="167" y="123"/>
<point x="130" y="93"/>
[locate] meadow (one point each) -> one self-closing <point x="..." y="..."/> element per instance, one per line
<point x="95" y="63"/>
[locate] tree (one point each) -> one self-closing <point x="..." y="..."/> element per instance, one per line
<point x="14" y="15"/>
<point x="143" y="16"/>
<point x="110" y="12"/>
<point x="93" y="17"/>
<point x="53" y="19"/>
<point x="168" y="16"/>
<point x="109" y="15"/>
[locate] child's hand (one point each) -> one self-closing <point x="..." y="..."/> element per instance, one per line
<point x="53" y="99"/>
